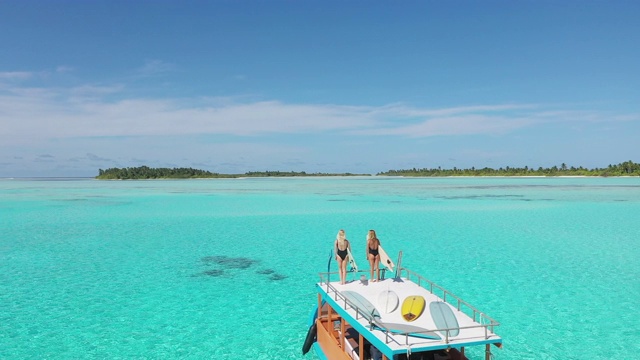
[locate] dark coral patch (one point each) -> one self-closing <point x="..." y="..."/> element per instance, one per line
<point x="214" y="272"/>
<point x="238" y="263"/>
<point x="230" y="262"/>
<point x="277" y="277"/>
<point x="265" y="271"/>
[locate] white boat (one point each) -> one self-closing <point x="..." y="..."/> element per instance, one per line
<point x="368" y="320"/>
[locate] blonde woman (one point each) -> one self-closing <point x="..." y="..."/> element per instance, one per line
<point x="373" y="254"/>
<point x="341" y="245"/>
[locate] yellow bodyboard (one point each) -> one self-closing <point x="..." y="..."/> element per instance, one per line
<point x="412" y="307"/>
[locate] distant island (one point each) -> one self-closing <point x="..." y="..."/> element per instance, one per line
<point x="145" y="172"/>
<point x="627" y="168"/>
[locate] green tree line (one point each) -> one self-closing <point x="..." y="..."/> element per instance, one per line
<point x="145" y="172"/>
<point x="627" y="168"/>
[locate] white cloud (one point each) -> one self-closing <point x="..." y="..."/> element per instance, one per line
<point x="471" y="124"/>
<point x="155" y="67"/>
<point x="96" y="91"/>
<point x="401" y="109"/>
<point x="15" y="75"/>
<point x="33" y="114"/>
<point x="64" y="69"/>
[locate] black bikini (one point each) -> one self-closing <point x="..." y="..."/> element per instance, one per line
<point x="373" y="252"/>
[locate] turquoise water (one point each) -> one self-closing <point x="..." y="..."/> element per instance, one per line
<point x="225" y="269"/>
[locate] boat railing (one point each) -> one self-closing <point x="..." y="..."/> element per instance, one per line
<point x="478" y="316"/>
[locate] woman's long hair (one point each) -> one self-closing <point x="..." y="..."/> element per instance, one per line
<point x="341" y="237"/>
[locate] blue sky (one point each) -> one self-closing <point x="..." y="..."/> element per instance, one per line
<point x="316" y="86"/>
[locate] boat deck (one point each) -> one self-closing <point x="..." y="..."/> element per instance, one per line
<point x="473" y="328"/>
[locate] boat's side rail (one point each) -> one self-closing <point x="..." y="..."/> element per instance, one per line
<point x="407" y="335"/>
<point x="447" y="296"/>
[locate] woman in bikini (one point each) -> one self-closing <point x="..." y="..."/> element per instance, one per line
<point x="342" y="244"/>
<point x="373" y="255"/>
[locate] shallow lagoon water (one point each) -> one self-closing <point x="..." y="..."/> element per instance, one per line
<point x="226" y="268"/>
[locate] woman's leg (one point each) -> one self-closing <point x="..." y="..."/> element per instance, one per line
<point x="344" y="270"/>
<point x="377" y="266"/>
<point x="371" y="261"/>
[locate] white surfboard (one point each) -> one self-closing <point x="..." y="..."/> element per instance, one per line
<point x="385" y="259"/>
<point x="388" y="301"/>
<point x="352" y="261"/>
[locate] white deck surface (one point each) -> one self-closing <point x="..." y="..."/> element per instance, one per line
<point x="405" y="288"/>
